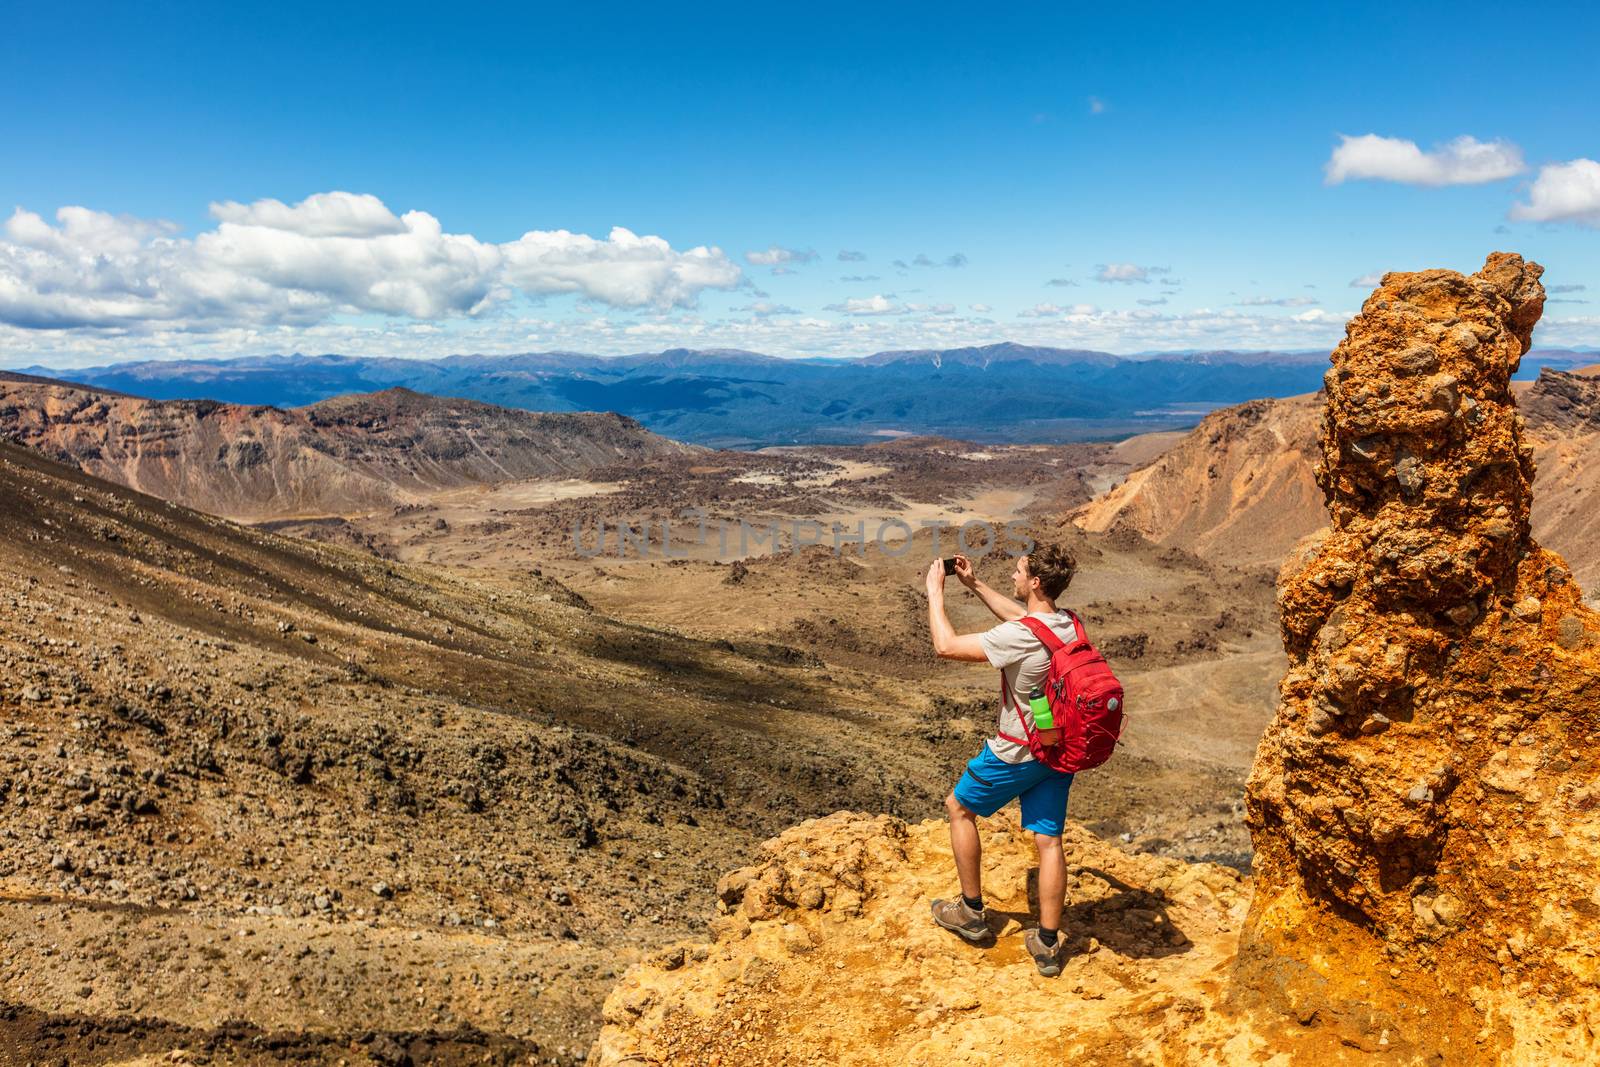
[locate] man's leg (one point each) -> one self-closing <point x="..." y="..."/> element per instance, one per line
<point x="967" y="847"/>
<point x="1044" y="812"/>
<point x="1052" y="880"/>
<point x="977" y="795"/>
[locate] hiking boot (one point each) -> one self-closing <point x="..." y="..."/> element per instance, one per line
<point x="956" y="916"/>
<point x="1046" y="957"/>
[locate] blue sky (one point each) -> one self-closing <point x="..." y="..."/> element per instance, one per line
<point x="1167" y="170"/>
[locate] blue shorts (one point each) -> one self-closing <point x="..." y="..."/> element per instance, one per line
<point x="991" y="783"/>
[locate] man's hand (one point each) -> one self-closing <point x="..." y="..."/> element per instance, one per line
<point x="947" y="644"/>
<point x="964" y="572"/>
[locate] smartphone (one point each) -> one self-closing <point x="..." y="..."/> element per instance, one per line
<point x="950" y="565"/>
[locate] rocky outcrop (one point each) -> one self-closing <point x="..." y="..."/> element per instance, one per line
<point x="1423" y="806"/>
<point x="348" y="454"/>
<point x="824" y="955"/>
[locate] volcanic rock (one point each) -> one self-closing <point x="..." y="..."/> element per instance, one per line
<point x="1455" y="846"/>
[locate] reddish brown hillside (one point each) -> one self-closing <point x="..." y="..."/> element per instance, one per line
<point x="1240" y="487"/>
<point x="347" y="454"/>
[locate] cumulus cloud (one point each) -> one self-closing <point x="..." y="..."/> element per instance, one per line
<point x="624" y="270"/>
<point x="982" y="309"/>
<point x="1367" y="281"/>
<point x="1047" y="311"/>
<point x="319" y="215"/>
<point x="1282" y="301"/>
<point x="765" y="309"/>
<point x="268" y="262"/>
<point x="847" y="256"/>
<point x="1563" y="192"/>
<point x="774" y="255"/>
<point x="1463" y="161"/>
<point x="1128" y="273"/>
<point x="877" y="304"/>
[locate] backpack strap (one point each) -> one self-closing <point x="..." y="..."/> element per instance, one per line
<point x="1083" y="635"/>
<point x="1027" y="727"/>
<point x="1042" y="631"/>
<point x="1051" y="642"/>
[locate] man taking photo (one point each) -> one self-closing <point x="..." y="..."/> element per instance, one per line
<point x="1005" y="769"/>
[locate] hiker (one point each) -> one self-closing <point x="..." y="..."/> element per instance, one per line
<point x="1005" y="769"/>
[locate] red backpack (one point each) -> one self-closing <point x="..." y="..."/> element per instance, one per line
<point x="1085" y="701"/>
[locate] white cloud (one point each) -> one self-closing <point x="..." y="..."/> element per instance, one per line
<point x="877" y="304"/>
<point x="1563" y="192"/>
<point x="1061" y="283"/>
<point x="333" y="253"/>
<point x="1097" y="106"/>
<point x="319" y="215"/>
<point x="1463" y="161"/>
<point x="1045" y="311"/>
<point x="766" y="308"/>
<point x="419" y="271"/>
<point x="1367" y="281"/>
<point x="1282" y="301"/>
<point x="847" y="256"/>
<point x="775" y="255"/>
<point x="982" y="309"/>
<point x="1128" y="273"/>
<point x="625" y="270"/>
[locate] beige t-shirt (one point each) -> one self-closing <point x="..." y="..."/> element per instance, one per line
<point x="1022" y="657"/>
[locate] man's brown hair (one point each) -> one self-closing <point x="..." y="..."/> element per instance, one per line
<point x="1054" y="566"/>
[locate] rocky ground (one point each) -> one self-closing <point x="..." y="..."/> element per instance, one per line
<point x="836" y="913"/>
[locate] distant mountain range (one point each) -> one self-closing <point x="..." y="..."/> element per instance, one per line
<point x="736" y="399"/>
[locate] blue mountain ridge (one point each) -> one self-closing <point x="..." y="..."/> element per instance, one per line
<point x="735" y="399"/>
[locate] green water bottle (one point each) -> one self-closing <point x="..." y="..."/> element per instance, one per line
<point x="1040" y="705"/>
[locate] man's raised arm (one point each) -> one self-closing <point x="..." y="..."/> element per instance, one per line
<point x="1005" y="609"/>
